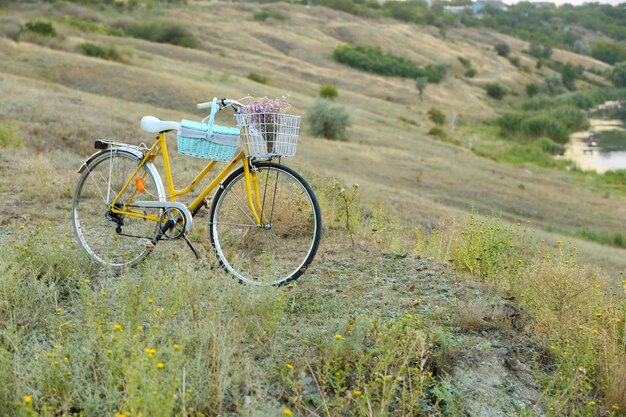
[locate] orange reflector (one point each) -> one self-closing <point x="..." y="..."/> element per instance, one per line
<point x="141" y="185"/>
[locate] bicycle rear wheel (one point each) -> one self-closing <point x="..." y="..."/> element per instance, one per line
<point x="111" y="239"/>
<point x="278" y="251"/>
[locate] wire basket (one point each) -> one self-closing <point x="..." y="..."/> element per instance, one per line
<point x="267" y="135"/>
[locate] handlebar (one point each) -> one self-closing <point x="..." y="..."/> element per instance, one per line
<point x="222" y="103"/>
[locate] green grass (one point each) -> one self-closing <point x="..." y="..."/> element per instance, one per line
<point x="367" y="278"/>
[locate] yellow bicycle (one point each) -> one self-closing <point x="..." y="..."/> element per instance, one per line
<point x="264" y="222"/>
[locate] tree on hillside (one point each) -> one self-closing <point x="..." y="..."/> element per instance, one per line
<point x="495" y="91"/>
<point x="421" y="83"/>
<point x="569" y="74"/>
<point x="580" y="47"/>
<point x="553" y="85"/>
<point x="532" y="89"/>
<point x="609" y="52"/>
<point x="540" y="50"/>
<point x="619" y="75"/>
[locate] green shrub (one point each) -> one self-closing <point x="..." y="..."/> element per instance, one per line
<point x="263" y="15"/>
<point x="495" y="91"/>
<point x="540" y="51"/>
<point x="41" y="28"/>
<point x="347" y="6"/>
<point x="373" y="59"/>
<point x="555" y="124"/>
<point x="553" y="85"/>
<point x="609" y="52"/>
<point x="470" y="73"/>
<point x="109" y="53"/>
<point x="549" y="146"/>
<point x="515" y="61"/>
<point x="256" y="77"/>
<point x="543" y="125"/>
<point x="618" y="76"/>
<point x="328" y="91"/>
<point x="437" y="131"/>
<point x="91" y="26"/>
<point x="465" y="62"/>
<point x="469" y="70"/>
<point x="532" y="89"/>
<point x="421" y="83"/>
<point x="163" y="32"/>
<point x="436" y="116"/>
<point x="502" y="49"/>
<point x="328" y="120"/>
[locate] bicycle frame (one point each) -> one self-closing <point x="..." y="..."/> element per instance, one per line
<point x="160" y="146"/>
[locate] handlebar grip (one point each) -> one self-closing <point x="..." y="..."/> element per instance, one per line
<point x="206" y="105"/>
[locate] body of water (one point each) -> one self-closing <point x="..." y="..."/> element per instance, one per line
<point x="608" y="155"/>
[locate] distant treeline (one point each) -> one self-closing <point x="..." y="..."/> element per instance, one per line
<point x="561" y="27"/>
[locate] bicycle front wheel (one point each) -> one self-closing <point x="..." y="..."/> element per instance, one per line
<point x="282" y="247"/>
<point x="112" y="239"/>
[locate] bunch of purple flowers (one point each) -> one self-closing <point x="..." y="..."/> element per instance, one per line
<point x="262" y="116"/>
<point x="266" y="105"/>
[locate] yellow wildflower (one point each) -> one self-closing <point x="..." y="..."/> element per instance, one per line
<point x="408" y="316"/>
<point x="160" y="365"/>
<point x="592" y="403"/>
<point x="615" y="407"/>
<point x="104" y="293"/>
<point x="59" y="309"/>
<point x="150" y="351"/>
<point x="150" y="301"/>
<point x="176" y="346"/>
<point x="387" y="378"/>
<point x="287" y="412"/>
<point x="65" y="358"/>
<point x="338" y="336"/>
<point x="356" y="392"/>
<point x="117" y="327"/>
<point x="139" y="328"/>
<point x="28" y="398"/>
<point x="87" y="281"/>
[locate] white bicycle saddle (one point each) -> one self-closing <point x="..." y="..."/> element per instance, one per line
<point x="153" y="125"/>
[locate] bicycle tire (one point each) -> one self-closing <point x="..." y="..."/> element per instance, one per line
<point x="95" y="225"/>
<point x="274" y="254"/>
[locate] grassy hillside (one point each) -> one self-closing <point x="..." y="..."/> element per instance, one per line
<point x="392" y="285"/>
<point x="423" y="178"/>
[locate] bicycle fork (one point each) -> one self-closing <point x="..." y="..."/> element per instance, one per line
<point x="252" y="188"/>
